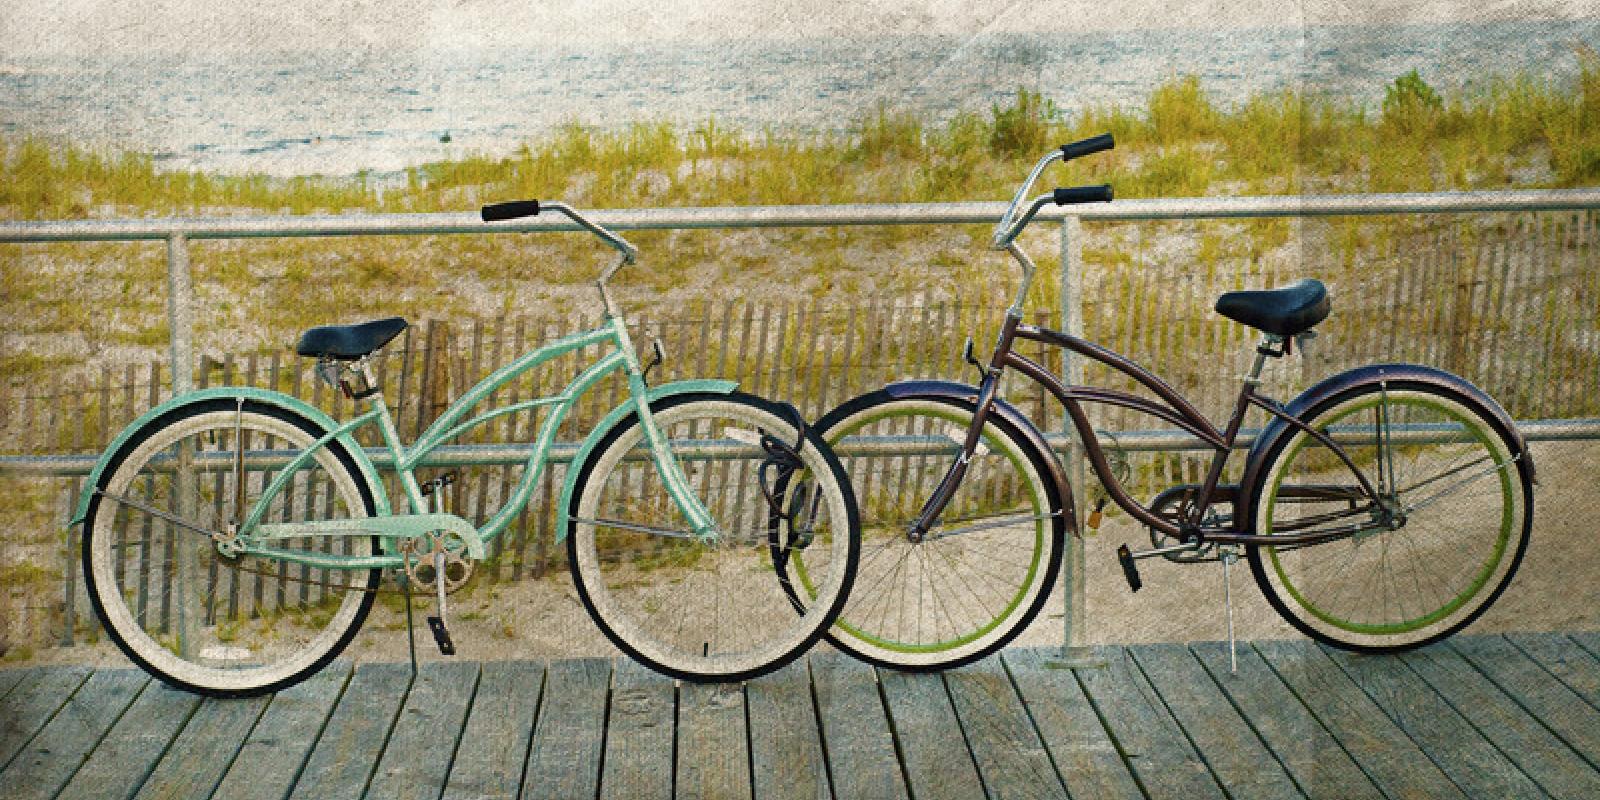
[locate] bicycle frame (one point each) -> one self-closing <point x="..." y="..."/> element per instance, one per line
<point x="1173" y="408"/>
<point x="450" y="425"/>
<point x="253" y="536"/>
<point x="1176" y="411"/>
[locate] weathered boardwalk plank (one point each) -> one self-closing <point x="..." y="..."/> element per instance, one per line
<point x="855" y="730"/>
<point x="1552" y="703"/>
<point x="47" y="762"/>
<point x="1448" y="738"/>
<point x="205" y="748"/>
<point x="1163" y="760"/>
<point x="9" y="678"/>
<point x="416" y="761"/>
<point x="1085" y="759"/>
<point x="1559" y="655"/>
<point x="342" y="762"/>
<point x="271" y="758"/>
<point x="119" y="766"/>
<point x="494" y="746"/>
<point x="786" y="760"/>
<point x="1484" y="716"/>
<point x="639" y="735"/>
<point x="570" y="735"/>
<point x="1011" y="758"/>
<point x="1244" y="766"/>
<point x="713" y="747"/>
<point x="32" y="703"/>
<point x="932" y="745"/>
<point x="1319" y="765"/>
<point x="1546" y="759"/>
<point x="1588" y="640"/>
<point x="1366" y="733"/>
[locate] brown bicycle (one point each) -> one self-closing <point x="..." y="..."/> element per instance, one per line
<point x="1384" y="508"/>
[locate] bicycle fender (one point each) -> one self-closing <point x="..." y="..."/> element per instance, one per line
<point x="969" y="393"/>
<point x="278" y="399"/>
<point x="612" y="420"/>
<point x="1372" y="373"/>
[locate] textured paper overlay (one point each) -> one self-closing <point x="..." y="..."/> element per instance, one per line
<point x="184" y="80"/>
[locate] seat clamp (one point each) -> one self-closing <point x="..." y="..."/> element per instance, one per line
<point x="353" y="378"/>
<point x="1273" y="345"/>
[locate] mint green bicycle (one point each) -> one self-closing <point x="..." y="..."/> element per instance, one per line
<point x="679" y="511"/>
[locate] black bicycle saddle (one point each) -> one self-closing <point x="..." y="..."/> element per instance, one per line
<point x="1286" y="311"/>
<point x="349" y="341"/>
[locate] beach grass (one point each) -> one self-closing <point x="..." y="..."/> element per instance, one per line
<point x="1501" y="132"/>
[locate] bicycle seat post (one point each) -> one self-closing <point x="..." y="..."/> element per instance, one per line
<point x="1271" y="345"/>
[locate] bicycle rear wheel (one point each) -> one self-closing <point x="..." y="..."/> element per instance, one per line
<point x="711" y="609"/>
<point x="187" y="614"/>
<point x="983" y="573"/>
<point x="1444" y="538"/>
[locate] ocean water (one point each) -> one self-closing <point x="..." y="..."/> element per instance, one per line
<point x="336" y="113"/>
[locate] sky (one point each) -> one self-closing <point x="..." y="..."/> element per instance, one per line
<point x="134" y="26"/>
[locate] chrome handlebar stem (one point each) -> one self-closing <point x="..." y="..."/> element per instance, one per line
<point x="1011" y="224"/>
<point x="628" y="253"/>
<point x="623" y="246"/>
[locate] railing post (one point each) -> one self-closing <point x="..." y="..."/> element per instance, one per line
<point x="180" y="313"/>
<point x="1074" y="653"/>
<point x="180" y="318"/>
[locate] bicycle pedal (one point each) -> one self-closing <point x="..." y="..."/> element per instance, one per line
<point x="441" y="636"/>
<point x="1129" y="569"/>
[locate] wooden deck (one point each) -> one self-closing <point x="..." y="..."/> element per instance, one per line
<point x="1482" y="717"/>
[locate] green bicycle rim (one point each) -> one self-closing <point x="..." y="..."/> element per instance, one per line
<point x="1005" y="613"/>
<point x="1482" y="578"/>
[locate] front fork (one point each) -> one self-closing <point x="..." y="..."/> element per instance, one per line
<point x="942" y="494"/>
<point x="672" y="474"/>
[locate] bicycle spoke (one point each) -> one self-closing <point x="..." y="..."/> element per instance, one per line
<point x="1458" y="486"/>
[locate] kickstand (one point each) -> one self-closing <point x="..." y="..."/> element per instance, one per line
<point x="411" y="631"/>
<point x="1227" y="558"/>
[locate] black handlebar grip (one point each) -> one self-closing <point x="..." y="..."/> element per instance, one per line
<point x="1093" y="144"/>
<point x="512" y="210"/>
<point x="1083" y="194"/>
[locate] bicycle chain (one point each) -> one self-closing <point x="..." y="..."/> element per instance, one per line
<point x="348" y="587"/>
<point x="450" y="586"/>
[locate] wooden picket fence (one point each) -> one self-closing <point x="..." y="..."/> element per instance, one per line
<point x="1512" y="303"/>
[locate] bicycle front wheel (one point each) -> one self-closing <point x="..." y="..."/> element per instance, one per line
<point x="217" y="625"/>
<point x="719" y="607"/>
<point x="1429" y="554"/>
<point x="982" y="574"/>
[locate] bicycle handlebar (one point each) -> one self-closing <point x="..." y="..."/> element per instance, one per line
<point x="1082" y="194"/>
<point x="1012" y="222"/>
<point x="1083" y="147"/>
<point x="516" y="209"/>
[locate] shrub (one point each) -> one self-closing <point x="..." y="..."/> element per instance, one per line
<point x="1180" y="111"/>
<point x="1022" y="128"/>
<point x="1411" y="105"/>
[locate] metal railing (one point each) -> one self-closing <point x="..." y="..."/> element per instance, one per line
<point x="178" y="232"/>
